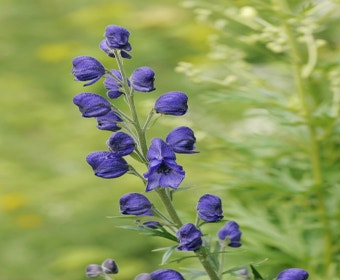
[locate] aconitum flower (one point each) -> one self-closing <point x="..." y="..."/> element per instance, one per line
<point x="165" y="274"/>
<point x="172" y="103"/>
<point x="231" y="231"/>
<point x="189" y="237"/>
<point x="135" y="204"/>
<point x="117" y="37"/>
<point x="163" y="171"/>
<point x="109" y="121"/>
<point x="87" y="68"/>
<point x="113" y="86"/>
<point x="182" y="140"/>
<point x="293" y="274"/>
<point x="109" y="266"/>
<point x="92" y="105"/>
<point x="142" y="79"/>
<point x="121" y="144"/>
<point x="107" y="165"/>
<point x="209" y="208"/>
<point x="93" y="271"/>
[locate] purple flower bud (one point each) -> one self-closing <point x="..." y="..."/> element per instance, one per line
<point x="93" y="270"/>
<point x="117" y="37"/>
<point x="107" y="164"/>
<point x="293" y="274"/>
<point x="182" y="140"/>
<point x="109" y="121"/>
<point x="121" y="144"/>
<point x="143" y="276"/>
<point x="209" y="208"/>
<point x="92" y="105"/>
<point x="142" y="79"/>
<point x="231" y="231"/>
<point x="166" y="274"/>
<point x="112" y="85"/>
<point x="135" y="204"/>
<point x="163" y="170"/>
<point x="189" y="238"/>
<point x="109" y="266"/>
<point x="86" y="68"/>
<point x="103" y="45"/>
<point x="172" y="103"/>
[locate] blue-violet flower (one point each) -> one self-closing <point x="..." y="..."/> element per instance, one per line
<point x="166" y="274"/>
<point x="135" y="204"/>
<point x="231" y="231"/>
<point x="121" y="144"/>
<point x="87" y="68"/>
<point x="189" y="237"/>
<point x="209" y="208"/>
<point x="93" y="270"/>
<point x="109" y="121"/>
<point x="117" y="37"/>
<point x="163" y="171"/>
<point x="107" y="165"/>
<point x="109" y="266"/>
<point x="293" y="274"/>
<point x="172" y="103"/>
<point x="113" y="85"/>
<point x="92" y="105"/>
<point x="142" y="79"/>
<point x="182" y="140"/>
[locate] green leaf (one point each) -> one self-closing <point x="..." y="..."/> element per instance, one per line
<point x="257" y="275"/>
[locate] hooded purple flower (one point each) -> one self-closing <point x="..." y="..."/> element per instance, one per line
<point x="109" y="121"/>
<point x="109" y="266"/>
<point x="113" y="86"/>
<point x="209" y="208"/>
<point x="189" y="238"/>
<point x="293" y="274"/>
<point x="142" y="79"/>
<point x="107" y="164"/>
<point x="86" y="68"/>
<point x="172" y="103"/>
<point x="163" y="170"/>
<point x="135" y="204"/>
<point x="117" y="37"/>
<point x="166" y="274"/>
<point x="182" y="140"/>
<point x="93" y="270"/>
<point x="121" y="144"/>
<point x="92" y="105"/>
<point x="231" y="231"/>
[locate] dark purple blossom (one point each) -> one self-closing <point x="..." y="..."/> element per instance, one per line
<point x="109" y="266"/>
<point x="293" y="274"/>
<point x="109" y="121"/>
<point x="142" y="79"/>
<point x="87" y="68"/>
<point x="231" y="231"/>
<point x="189" y="237"/>
<point x="92" y="105"/>
<point x="172" y="103"/>
<point x="165" y="274"/>
<point x="93" y="271"/>
<point x="209" y="208"/>
<point x="117" y="37"/>
<point x="121" y="144"/>
<point x="163" y="170"/>
<point x="107" y="165"/>
<point x="113" y="85"/>
<point x="135" y="204"/>
<point x="182" y="140"/>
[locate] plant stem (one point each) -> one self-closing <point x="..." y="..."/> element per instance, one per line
<point x="314" y="147"/>
<point x="203" y="258"/>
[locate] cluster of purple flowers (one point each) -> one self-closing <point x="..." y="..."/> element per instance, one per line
<point x="163" y="172"/>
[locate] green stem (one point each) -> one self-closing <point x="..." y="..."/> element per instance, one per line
<point x="314" y="147"/>
<point x="204" y="259"/>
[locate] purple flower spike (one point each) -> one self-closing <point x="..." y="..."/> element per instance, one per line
<point x="109" y="121"/>
<point x="163" y="170"/>
<point x="92" y="105"/>
<point x="93" y="271"/>
<point x="109" y="266"/>
<point x="172" y="103"/>
<point x="107" y="164"/>
<point x="232" y="232"/>
<point x="142" y="79"/>
<point x="135" y="204"/>
<point x="182" y="140"/>
<point x="165" y="274"/>
<point x="189" y="238"/>
<point x="209" y="208"/>
<point x="112" y="85"/>
<point x="121" y="144"/>
<point x="117" y="37"/>
<point x="86" y="68"/>
<point x="293" y="274"/>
